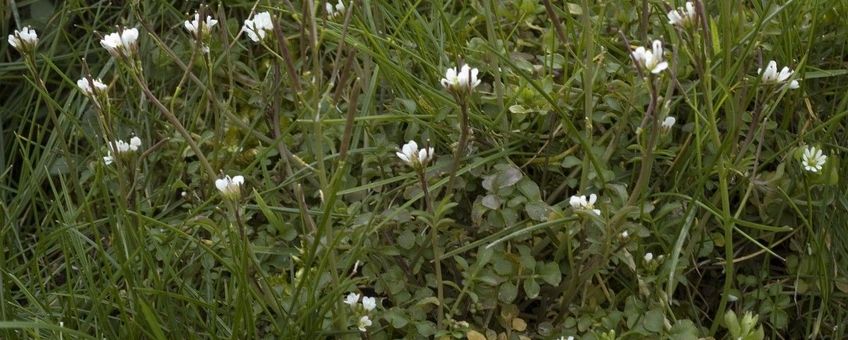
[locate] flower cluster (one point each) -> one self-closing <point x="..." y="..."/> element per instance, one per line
<point x="121" y="44"/>
<point x="813" y="159"/>
<point x="651" y="262"/>
<point x="334" y="11"/>
<point x="681" y="16"/>
<point x="200" y="28"/>
<point x="230" y="187"/>
<point x="92" y="88"/>
<point x="412" y="156"/>
<point x="119" y="147"/>
<point x="771" y="76"/>
<point x="584" y="203"/>
<point x="24" y="40"/>
<point x="463" y="80"/>
<point x="258" y="27"/>
<point x="650" y="60"/>
<point x="368" y="305"/>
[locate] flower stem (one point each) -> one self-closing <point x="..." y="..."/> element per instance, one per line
<point x="434" y="239"/>
<point x="463" y="140"/>
<point x="139" y="78"/>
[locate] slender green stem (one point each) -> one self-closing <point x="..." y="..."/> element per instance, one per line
<point x="462" y="145"/>
<point x="434" y="239"/>
<point x="139" y="78"/>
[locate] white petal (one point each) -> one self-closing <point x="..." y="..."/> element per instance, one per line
<point x="592" y="199"/>
<point x="410" y="148"/>
<point x="785" y="73"/>
<point x="221" y="184"/>
<point x="660" y="67"/>
<point x="369" y="303"/>
<point x="402" y="157"/>
<point x="135" y="143"/>
<point x="238" y="180"/>
<point x="770" y="74"/>
<point x="658" y="49"/>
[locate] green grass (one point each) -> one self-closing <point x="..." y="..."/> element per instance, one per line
<point x="312" y="117"/>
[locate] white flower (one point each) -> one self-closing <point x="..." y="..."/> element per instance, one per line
<point x="771" y="76"/>
<point x="668" y="122"/>
<point x="625" y="234"/>
<point x="364" y="321"/>
<point x="682" y="16"/>
<point x="334" y="11"/>
<point x="649" y="257"/>
<point x="24" y="40"/>
<point x="119" y="147"/>
<point x="813" y="159"/>
<point x="258" y="27"/>
<point x="369" y="303"/>
<point x="463" y="80"/>
<point x="413" y="157"/>
<point x="582" y="203"/>
<point x="351" y="299"/>
<point x="86" y="87"/>
<point x="122" y="43"/>
<point x="651" y="60"/>
<point x="195" y="26"/>
<point x="568" y="338"/>
<point x="230" y="187"/>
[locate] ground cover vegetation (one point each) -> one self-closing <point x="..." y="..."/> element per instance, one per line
<point x="480" y="169"/>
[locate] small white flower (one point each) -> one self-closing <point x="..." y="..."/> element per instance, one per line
<point x="351" y="299"/>
<point x="412" y="156"/>
<point x="771" y="76"/>
<point x="682" y="16"/>
<point x="364" y="321"/>
<point x="196" y="25"/>
<point x="230" y="186"/>
<point x="122" y="43"/>
<point x="258" y="27"/>
<point x="334" y="11"/>
<point x="24" y="40"/>
<point x="649" y="257"/>
<point x="668" y="122"/>
<point x="582" y="203"/>
<point x="86" y="87"/>
<point x="568" y="338"/>
<point x="464" y="80"/>
<point x="813" y="159"/>
<point x="369" y="303"/>
<point x="119" y="147"/>
<point x="625" y="234"/>
<point x="651" y="60"/>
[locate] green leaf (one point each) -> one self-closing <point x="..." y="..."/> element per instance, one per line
<point x="396" y="317"/>
<point x="537" y="210"/>
<point x="683" y="330"/>
<point x="425" y="328"/>
<point x="406" y="240"/>
<point x="529" y="189"/>
<point x="287" y="233"/>
<point x="653" y="321"/>
<point x="151" y="319"/>
<point x="732" y="323"/>
<point x="507" y="292"/>
<point x="503" y="266"/>
<point x="531" y="288"/>
<point x="550" y="273"/>
<point x="491" y="201"/>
